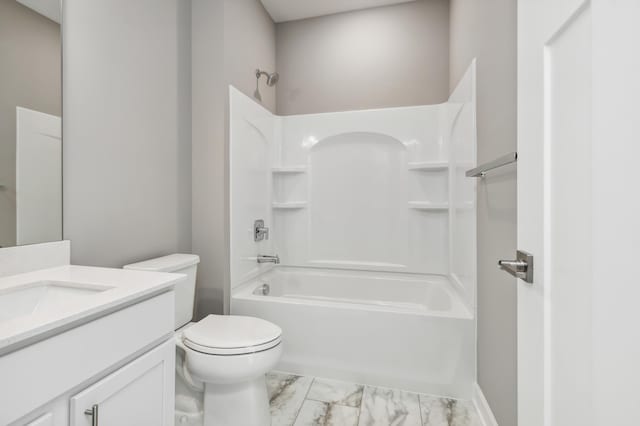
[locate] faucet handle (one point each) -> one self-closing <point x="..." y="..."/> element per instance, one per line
<point x="260" y="232"/>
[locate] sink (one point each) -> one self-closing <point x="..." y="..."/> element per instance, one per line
<point x="42" y="297"/>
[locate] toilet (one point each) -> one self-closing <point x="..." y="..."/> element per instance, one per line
<point x="221" y="360"/>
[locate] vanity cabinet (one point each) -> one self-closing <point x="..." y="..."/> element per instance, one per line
<point x="121" y="363"/>
<point x="138" y="394"/>
<point x="55" y="413"/>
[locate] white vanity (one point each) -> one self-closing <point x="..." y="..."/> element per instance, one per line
<point x="83" y="345"/>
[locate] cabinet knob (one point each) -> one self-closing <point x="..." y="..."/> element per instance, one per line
<point x="93" y="412"/>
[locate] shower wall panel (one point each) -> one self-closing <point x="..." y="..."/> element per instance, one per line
<point x="462" y="139"/>
<point x="374" y="190"/>
<point x="377" y="190"/>
<point x="251" y="132"/>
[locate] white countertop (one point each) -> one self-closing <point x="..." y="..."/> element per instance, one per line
<point x="126" y="287"/>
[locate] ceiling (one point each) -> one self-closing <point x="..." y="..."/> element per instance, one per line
<point x="290" y="10"/>
<point x="48" y="8"/>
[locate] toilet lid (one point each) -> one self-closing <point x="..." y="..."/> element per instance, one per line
<point x="231" y="335"/>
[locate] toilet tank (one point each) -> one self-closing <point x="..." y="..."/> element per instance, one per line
<point x="184" y="290"/>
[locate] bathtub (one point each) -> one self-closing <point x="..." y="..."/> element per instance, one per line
<point x="403" y="331"/>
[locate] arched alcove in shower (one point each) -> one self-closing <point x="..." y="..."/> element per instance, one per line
<point x="357" y="201"/>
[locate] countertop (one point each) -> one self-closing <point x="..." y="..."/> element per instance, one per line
<point x="123" y="288"/>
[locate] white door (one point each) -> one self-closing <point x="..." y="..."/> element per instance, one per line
<point x="578" y="212"/>
<point x="139" y="394"/>
<point x="38" y="177"/>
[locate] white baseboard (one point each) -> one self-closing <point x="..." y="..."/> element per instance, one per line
<point x="482" y="407"/>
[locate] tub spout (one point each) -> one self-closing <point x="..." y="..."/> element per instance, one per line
<point x="269" y="259"/>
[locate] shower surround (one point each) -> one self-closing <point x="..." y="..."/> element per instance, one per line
<point x="374" y="223"/>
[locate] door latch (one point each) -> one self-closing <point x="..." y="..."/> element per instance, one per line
<point x="521" y="268"/>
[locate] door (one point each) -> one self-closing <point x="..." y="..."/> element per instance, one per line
<point x="578" y="211"/>
<point x="38" y="177"/>
<point x="139" y="394"/>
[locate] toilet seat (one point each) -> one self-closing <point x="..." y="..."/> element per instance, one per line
<point x="231" y="335"/>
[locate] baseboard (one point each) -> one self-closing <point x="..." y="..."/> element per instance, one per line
<point x="482" y="407"/>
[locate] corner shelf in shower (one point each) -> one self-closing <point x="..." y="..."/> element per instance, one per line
<point x="292" y="205"/>
<point x="425" y="205"/>
<point x="289" y="170"/>
<point x="427" y="165"/>
<point x="467" y="205"/>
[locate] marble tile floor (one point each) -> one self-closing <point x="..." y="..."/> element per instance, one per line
<point x="307" y="401"/>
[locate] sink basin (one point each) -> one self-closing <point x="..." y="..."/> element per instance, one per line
<point x="43" y="297"/>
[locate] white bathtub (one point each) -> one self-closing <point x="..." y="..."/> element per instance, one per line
<point x="386" y="329"/>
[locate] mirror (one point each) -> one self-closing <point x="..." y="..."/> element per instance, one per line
<point x="30" y="122"/>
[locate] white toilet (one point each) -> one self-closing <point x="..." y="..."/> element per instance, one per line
<point x="221" y="360"/>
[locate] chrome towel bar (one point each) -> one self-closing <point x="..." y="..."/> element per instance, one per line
<point x="482" y="170"/>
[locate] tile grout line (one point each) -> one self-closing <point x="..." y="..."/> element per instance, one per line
<point x="333" y="403"/>
<point x="295" y="419"/>
<point x="364" y="387"/>
<point x="337" y="403"/>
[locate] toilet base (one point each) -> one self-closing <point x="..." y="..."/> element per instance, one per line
<point x="237" y="404"/>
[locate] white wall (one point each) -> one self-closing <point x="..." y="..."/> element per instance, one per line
<point x="126" y="129"/>
<point x="487" y="31"/>
<point x="375" y="58"/>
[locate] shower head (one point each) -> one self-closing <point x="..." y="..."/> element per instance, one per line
<point x="272" y="78"/>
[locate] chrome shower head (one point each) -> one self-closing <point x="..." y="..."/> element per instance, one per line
<point x="272" y="79"/>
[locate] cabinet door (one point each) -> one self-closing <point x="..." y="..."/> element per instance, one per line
<point x="44" y="420"/>
<point x="139" y="394"/>
<point x="55" y="413"/>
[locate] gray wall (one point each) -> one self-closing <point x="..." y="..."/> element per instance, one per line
<point x="487" y="30"/>
<point x="375" y="58"/>
<point x="250" y="43"/>
<point x="126" y="129"/>
<point x="29" y="77"/>
<point x="231" y="38"/>
<point x="209" y="165"/>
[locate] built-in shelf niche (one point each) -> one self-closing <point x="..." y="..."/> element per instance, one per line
<point x="425" y="205"/>
<point x="291" y="205"/>
<point x="427" y="165"/>
<point x="289" y="170"/>
<point x="428" y="185"/>
<point x="289" y="187"/>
